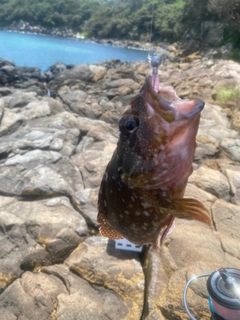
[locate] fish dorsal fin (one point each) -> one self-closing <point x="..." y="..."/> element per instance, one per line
<point x="190" y="209"/>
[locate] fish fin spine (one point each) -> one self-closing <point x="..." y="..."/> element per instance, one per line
<point x="191" y="209"/>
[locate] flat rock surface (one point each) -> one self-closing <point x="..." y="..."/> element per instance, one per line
<point x="53" y="152"/>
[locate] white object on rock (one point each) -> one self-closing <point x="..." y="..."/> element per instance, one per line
<point x="124" y="244"/>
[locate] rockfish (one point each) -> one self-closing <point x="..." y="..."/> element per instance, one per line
<point x="143" y="186"/>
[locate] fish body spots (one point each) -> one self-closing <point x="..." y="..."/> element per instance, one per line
<point x="150" y="167"/>
<point x="146" y="205"/>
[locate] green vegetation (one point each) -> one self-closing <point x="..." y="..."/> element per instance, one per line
<point x="227" y="95"/>
<point x="129" y="19"/>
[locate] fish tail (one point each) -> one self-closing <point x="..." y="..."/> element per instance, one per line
<point x="191" y="209"/>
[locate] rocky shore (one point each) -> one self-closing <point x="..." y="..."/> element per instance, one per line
<point x="57" y="133"/>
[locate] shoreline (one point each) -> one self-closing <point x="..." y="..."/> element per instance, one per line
<point x="26" y="28"/>
<point x="129" y="44"/>
<point x="174" y="52"/>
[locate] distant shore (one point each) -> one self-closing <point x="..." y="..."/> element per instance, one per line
<point x="24" y="27"/>
<point x="172" y="52"/>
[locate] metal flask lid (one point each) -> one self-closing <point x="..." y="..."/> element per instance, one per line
<point x="224" y="288"/>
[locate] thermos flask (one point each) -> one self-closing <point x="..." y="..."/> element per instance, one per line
<point x="223" y="288"/>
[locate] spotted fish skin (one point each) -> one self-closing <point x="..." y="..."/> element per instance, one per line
<point x="144" y="183"/>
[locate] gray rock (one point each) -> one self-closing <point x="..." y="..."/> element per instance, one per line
<point x="10" y="74"/>
<point x="35" y="233"/>
<point x="211" y="181"/>
<point x="225" y="216"/>
<point x="98" y="72"/>
<point x="69" y="96"/>
<point x="28" y="138"/>
<point x="10" y="122"/>
<point x="92" y="162"/>
<point x="32" y="158"/>
<point x="232" y="148"/>
<point x="118" y="271"/>
<point x="36" y="109"/>
<point x="19" y="99"/>
<point x="77" y="73"/>
<point x="28" y="293"/>
<point x="83" y="300"/>
<point x="233" y="175"/>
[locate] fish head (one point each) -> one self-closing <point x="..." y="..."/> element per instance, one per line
<point x="157" y="138"/>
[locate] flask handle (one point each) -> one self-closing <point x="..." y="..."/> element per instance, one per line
<point x="185" y="292"/>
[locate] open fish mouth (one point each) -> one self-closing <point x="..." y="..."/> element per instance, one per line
<point x="167" y="104"/>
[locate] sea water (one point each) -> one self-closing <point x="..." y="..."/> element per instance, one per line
<point x="32" y="50"/>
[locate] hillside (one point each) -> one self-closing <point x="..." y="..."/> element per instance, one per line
<point x="169" y="20"/>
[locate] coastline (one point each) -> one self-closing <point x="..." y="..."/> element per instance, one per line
<point x="182" y="50"/>
<point x="161" y="48"/>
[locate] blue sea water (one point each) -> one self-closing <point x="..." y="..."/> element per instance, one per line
<point x="43" y="51"/>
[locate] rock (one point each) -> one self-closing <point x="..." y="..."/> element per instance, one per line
<point x="225" y="216"/>
<point x="46" y="179"/>
<point x="10" y="122"/>
<point x="66" y="296"/>
<point x="36" y="233"/>
<point x="34" y="289"/>
<point x="28" y="138"/>
<point x="36" y="109"/>
<point x="233" y="176"/>
<point x="53" y="152"/>
<point x="1" y="109"/>
<point x="79" y="73"/>
<point x="92" y="162"/>
<point x="19" y="99"/>
<point x="211" y="181"/>
<point x="121" y="84"/>
<point x="98" y="72"/>
<point x="201" y="256"/>
<point x="69" y="96"/>
<point x="9" y="74"/>
<point x="55" y="69"/>
<point x="231" y="147"/>
<point x="119" y="271"/>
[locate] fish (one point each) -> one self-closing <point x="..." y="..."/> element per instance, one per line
<point x="142" y="189"/>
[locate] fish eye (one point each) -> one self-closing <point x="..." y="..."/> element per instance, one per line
<point x="128" y="124"/>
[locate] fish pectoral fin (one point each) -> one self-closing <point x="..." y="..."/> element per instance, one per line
<point x="191" y="209"/>
<point x="108" y="232"/>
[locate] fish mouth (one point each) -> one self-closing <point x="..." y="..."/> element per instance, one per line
<point x="167" y="103"/>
